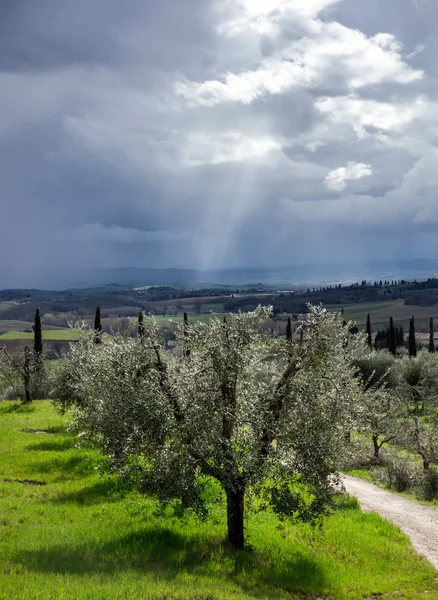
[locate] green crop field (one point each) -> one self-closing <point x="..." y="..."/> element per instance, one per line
<point x="67" y="533"/>
<point x="54" y="334"/>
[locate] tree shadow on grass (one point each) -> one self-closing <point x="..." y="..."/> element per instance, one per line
<point x="17" y="407"/>
<point x="65" y="467"/>
<point x="102" y="492"/>
<point x="165" y="555"/>
<point x="55" y="446"/>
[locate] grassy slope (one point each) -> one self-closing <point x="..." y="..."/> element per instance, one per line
<point x="55" y="334"/>
<point x="80" y="537"/>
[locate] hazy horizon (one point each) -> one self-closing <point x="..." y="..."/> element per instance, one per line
<point x="319" y="274"/>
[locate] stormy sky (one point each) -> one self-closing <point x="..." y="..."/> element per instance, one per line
<point x="217" y="133"/>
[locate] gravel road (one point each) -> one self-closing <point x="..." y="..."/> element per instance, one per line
<point x="419" y="522"/>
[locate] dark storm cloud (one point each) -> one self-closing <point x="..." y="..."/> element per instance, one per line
<point x="212" y="133"/>
<point x="54" y="33"/>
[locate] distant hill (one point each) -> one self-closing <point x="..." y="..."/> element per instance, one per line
<point x="294" y="277"/>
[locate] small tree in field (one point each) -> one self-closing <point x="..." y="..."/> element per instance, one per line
<point x="431" y="337"/>
<point x="240" y="409"/>
<point x="24" y="365"/>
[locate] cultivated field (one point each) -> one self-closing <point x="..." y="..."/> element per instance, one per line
<point x="14" y="325"/>
<point x="67" y="532"/>
<point x="381" y="313"/>
<point x="54" y="334"/>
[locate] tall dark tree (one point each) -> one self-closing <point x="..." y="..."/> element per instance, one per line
<point x="37" y="334"/>
<point x="97" y="326"/>
<point x="400" y="336"/>
<point x="412" y="347"/>
<point x="140" y="325"/>
<point x="392" y="340"/>
<point x="186" y="333"/>
<point x="289" y="330"/>
<point x="369" y="332"/>
<point x="431" y="336"/>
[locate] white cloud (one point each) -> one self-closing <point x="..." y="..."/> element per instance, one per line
<point x="329" y="51"/>
<point x="365" y="115"/>
<point x="264" y="16"/>
<point x="313" y="146"/>
<point x="214" y="149"/>
<point x="337" y="179"/>
<point x="412" y="202"/>
<point x="419" y="48"/>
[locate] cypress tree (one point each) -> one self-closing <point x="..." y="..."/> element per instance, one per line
<point x="186" y="333"/>
<point x="140" y="325"/>
<point x="97" y="326"/>
<point x="392" y="341"/>
<point x="369" y="332"/>
<point x="431" y="339"/>
<point x="400" y="336"/>
<point x="289" y="330"/>
<point x="412" y="343"/>
<point x="37" y="334"/>
<point x="97" y="320"/>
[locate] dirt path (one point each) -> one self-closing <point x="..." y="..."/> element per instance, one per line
<point x="419" y="522"/>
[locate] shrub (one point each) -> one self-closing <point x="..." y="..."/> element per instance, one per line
<point x="356" y="455"/>
<point x="401" y="474"/>
<point x="429" y="486"/>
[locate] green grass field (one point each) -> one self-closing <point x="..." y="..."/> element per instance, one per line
<point x="68" y="533"/>
<point x="54" y="334"/>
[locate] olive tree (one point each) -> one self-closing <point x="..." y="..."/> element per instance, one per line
<point x="421" y="437"/>
<point x="419" y="381"/>
<point x="384" y="411"/>
<point x="384" y="417"/>
<point x="240" y="407"/>
<point x="24" y="371"/>
<point x="419" y="388"/>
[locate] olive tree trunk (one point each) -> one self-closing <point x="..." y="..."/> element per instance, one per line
<point x="235" y="514"/>
<point x="376" y="448"/>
